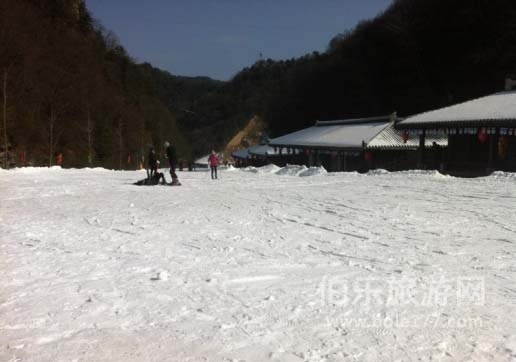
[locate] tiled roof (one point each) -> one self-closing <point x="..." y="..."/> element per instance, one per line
<point x="390" y="138"/>
<point x="343" y="134"/>
<point x="262" y="150"/>
<point x="497" y="108"/>
<point x="242" y="154"/>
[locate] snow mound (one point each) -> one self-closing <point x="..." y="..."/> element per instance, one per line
<point x="250" y="169"/>
<point x="408" y="173"/>
<point x="438" y="174"/>
<point x="231" y="168"/>
<point x="420" y="172"/>
<point x="379" y="171"/>
<point x="503" y="175"/>
<point x="291" y="170"/>
<point x="432" y="173"/>
<point x="270" y="168"/>
<point x="313" y="171"/>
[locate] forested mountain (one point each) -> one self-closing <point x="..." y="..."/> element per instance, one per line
<point x="70" y="86"/>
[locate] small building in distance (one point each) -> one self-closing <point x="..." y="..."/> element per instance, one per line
<point x="201" y="162"/>
<point x="481" y="134"/>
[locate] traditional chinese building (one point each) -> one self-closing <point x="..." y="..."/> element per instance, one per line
<point x="481" y="134"/>
<point x="335" y="145"/>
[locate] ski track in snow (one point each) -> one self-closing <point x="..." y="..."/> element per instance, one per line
<point x="239" y="269"/>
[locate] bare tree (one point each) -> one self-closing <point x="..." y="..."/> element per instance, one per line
<point x="4" y="113"/>
<point x="120" y="136"/>
<point x="57" y="102"/>
<point x="51" y="140"/>
<point x="89" y="132"/>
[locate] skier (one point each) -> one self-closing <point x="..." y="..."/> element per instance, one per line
<point x="213" y="161"/>
<point x="172" y="160"/>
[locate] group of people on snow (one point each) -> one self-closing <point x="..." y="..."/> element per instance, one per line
<point x="153" y="174"/>
<point x="155" y="177"/>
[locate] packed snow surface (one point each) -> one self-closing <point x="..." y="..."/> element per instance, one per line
<point x="411" y="266"/>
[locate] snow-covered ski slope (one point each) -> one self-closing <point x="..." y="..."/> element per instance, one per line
<point x="257" y="266"/>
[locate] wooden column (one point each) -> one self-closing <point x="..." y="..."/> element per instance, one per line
<point x="421" y="150"/>
<point x="490" y="160"/>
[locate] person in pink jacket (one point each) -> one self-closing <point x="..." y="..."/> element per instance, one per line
<point x="213" y="161"/>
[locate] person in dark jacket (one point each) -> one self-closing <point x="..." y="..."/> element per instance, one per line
<point x="153" y="163"/>
<point x="172" y="160"/>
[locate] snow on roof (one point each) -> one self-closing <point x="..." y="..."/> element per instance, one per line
<point x="335" y="134"/>
<point x="243" y="153"/>
<point x="390" y="138"/>
<point x="262" y="150"/>
<point x="492" y="108"/>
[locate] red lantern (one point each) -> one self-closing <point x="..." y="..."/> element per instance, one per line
<point x="368" y="156"/>
<point x="482" y="135"/>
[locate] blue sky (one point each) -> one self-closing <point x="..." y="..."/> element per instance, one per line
<point x="217" y="38"/>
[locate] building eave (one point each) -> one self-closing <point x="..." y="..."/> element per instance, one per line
<point x="466" y="123"/>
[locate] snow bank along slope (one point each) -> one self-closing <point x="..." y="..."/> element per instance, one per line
<point x="256" y="267"/>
